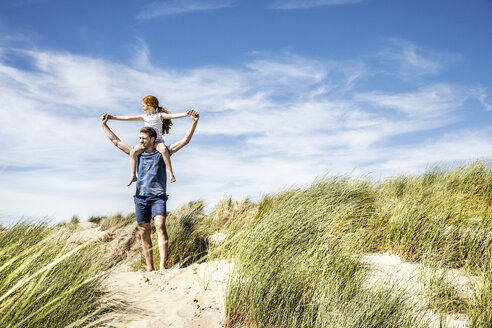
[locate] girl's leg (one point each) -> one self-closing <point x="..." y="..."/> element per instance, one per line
<point x="137" y="150"/>
<point x="161" y="147"/>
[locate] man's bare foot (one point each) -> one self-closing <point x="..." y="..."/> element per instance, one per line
<point x="132" y="180"/>
<point x="172" y="178"/>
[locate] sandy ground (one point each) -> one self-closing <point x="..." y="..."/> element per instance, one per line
<point x="189" y="297"/>
<point x="194" y="296"/>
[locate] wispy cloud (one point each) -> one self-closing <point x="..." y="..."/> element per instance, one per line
<point x="408" y="60"/>
<point x="305" y="4"/>
<point x="171" y="7"/>
<point x="482" y="96"/>
<point x="431" y="101"/>
<point x="271" y="123"/>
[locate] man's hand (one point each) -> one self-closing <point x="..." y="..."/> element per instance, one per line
<point x="194" y="115"/>
<point x="104" y="118"/>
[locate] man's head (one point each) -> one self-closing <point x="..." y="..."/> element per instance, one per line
<point x="147" y="138"/>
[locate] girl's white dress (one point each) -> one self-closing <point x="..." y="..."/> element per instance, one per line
<point x="154" y="121"/>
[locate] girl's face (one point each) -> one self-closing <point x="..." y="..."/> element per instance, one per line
<point x="147" y="108"/>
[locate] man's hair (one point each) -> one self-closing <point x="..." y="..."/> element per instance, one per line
<point x="149" y="131"/>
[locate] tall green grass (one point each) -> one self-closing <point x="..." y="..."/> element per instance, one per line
<point x="46" y="282"/>
<point x="188" y="235"/>
<point x="443" y="215"/>
<point x="297" y="262"/>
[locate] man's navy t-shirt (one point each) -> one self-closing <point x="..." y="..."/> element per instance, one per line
<point x="151" y="172"/>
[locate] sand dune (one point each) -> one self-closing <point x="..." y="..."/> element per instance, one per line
<point x="189" y="297"/>
<point x="194" y="296"/>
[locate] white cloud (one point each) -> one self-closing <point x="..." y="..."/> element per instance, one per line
<point x="408" y="60"/>
<point x="430" y="101"/>
<point x="171" y="7"/>
<point x="304" y="4"/>
<point x="483" y="101"/>
<point x="141" y="58"/>
<point x="455" y="146"/>
<point x="272" y="123"/>
<point x="482" y="95"/>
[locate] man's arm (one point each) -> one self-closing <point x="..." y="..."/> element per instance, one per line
<point x="186" y="139"/>
<point x="112" y="137"/>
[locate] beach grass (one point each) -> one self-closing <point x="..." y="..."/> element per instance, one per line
<point x="188" y="234"/>
<point x="46" y="281"/>
<point x="297" y="262"/>
<point x="297" y="254"/>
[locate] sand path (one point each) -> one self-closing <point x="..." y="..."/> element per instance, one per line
<point x="189" y="297"/>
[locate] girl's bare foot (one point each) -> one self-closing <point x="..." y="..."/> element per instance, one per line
<point x="172" y="178"/>
<point x="132" y="180"/>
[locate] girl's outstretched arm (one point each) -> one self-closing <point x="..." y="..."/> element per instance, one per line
<point x="126" y="118"/>
<point x="112" y="137"/>
<point x="177" y="115"/>
<point x="186" y="139"/>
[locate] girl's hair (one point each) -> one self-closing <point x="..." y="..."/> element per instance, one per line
<point x="154" y="102"/>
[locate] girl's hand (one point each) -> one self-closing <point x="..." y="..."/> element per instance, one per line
<point x="190" y="112"/>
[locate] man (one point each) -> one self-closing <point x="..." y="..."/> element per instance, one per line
<point x="150" y="195"/>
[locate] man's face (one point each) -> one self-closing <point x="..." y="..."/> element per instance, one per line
<point x="146" y="141"/>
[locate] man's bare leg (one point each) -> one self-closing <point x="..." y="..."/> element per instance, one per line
<point x="160" y="227"/>
<point x="145" y="230"/>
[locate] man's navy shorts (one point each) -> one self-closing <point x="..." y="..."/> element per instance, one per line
<point x="147" y="207"/>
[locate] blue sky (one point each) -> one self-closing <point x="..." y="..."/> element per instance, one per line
<point x="288" y="91"/>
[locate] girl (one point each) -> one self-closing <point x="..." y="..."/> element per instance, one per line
<point x="159" y="119"/>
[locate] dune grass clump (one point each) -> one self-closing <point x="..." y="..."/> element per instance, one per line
<point x="96" y="219"/>
<point x="116" y="221"/>
<point x="444" y="215"/>
<point x="480" y="313"/>
<point x="45" y="282"/>
<point x="188" y="234"/>
<point x="229" y="215"/>
<point x="443" y="293"/>
<point x="74" y="220"/>
<point x="297" y="264"/>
